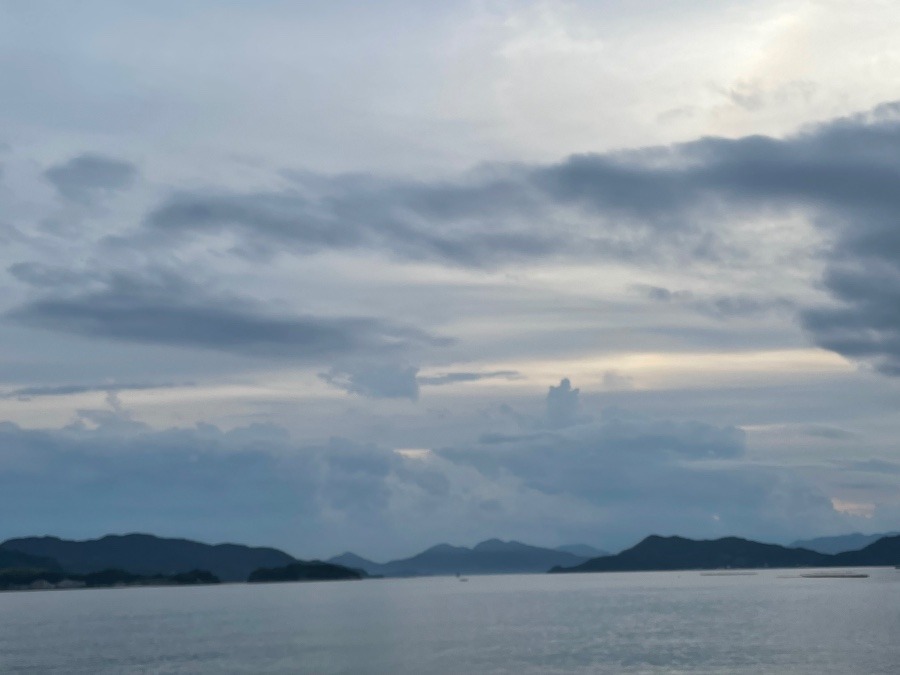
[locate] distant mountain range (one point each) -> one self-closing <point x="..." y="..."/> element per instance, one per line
<point x="583" y="550"/>
<point x="145" y="554"/>
<point x="489" y="557"/>
<point x="678" y="553"/>
<point x="841" y="543"/>
<point x="144" y="558"/>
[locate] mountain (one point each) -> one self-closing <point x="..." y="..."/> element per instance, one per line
<point x="678" y="553"/>
<point x="31" y="579"/>
<point x="882" y="553"/>
<point x="355" y="562"/>
<point x="147" y="555"/>
<point x="489" y="557"/>
<point x="582" y="550"/>
<point x="304" y="571"/>
<point x="841" y="543"/>
<point x="23" y="561"/>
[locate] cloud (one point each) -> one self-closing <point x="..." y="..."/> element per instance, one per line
<point x="87" y="177"/>
<point x="456" y="377"/>
<point x="667" y="204"/>
<point x="458" y="224"/>
<point x="613" y="479"/>
<point x="877" y="466"/>
<point x="39" y="275"/>
<point x="166" y="309"/>
<point x="635" y="472"/>
<point x="562" y="405"/>
<point x="738" y="305"/>
<point x="375" y="381"/>
<point x="865" y="323"/>
<point x="71" y="389"/>
<point x="684" y="202"/>
<point x="390" y="380"/>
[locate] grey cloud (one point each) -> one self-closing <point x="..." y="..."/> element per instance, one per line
<point x="753" y="96"/>
<point x="389" y="380"/>
<point x="455" y="377"/>
<point x="663" y="203"/>
<point x="864" y="323"/>
<point x="162" y="308"/>
<point x="85" y="178"/>
<point x="621" y="477"/>
<point x="615" y="380"/>
<point x="736" y="306"/>
<point x="660" y="294"/>
<point x="375" y="380"/>
<point x="251" y="482"/>
<point x="827" y="432"/>
<point x="718" y="306"/>
<point x="45" y="276"/>
<point x="874" y="466"/>
<point x="358" y="213"/>
<point x="655" y="475"/>
<point x="70" y="389"/>
<point x="562" y="405"/>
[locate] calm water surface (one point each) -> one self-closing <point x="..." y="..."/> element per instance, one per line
<point x="588" y="623"/>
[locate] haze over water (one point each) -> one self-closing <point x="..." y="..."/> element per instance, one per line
<point x="586" y="623"/>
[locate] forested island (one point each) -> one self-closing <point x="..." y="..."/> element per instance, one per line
<point x="657" y="553"/>
<point x="146" y="560"/>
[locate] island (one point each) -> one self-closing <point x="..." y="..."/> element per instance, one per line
<point x="656" y="553"/>
<point x="315" y="570"/>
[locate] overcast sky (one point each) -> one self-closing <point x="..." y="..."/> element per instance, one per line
<point x="374" y="276"/>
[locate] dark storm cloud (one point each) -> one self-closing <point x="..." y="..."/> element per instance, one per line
<point x="865" y="324"/>
<point x="85" y="178"/>
<point x="631" y="204"/>
<point x="166" y="309"/>
<point x="71" y="389"/>
<point x="678" y="203"/>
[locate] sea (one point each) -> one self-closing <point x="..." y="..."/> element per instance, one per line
<point x="655" y="622"/>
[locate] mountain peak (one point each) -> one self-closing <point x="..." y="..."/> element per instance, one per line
<point x="490" y="545"/>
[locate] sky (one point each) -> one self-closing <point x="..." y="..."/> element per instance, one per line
<point x="374" y="276"/>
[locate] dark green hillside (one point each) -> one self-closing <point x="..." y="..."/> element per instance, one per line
<point x="678" y="553"/>
<point x="19" y="560"/>
<point x="145" y="554"/>
<point x="305" y="571"/>
<point x="883" y="553"/>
